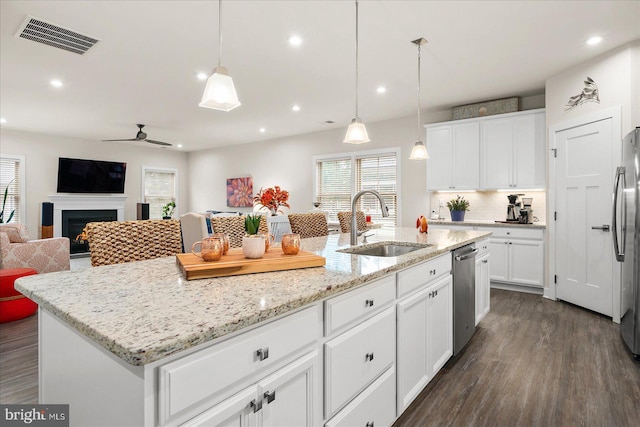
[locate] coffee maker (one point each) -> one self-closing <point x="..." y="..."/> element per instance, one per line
<point x="513" y="209"/>
<point x="526" y="213"/>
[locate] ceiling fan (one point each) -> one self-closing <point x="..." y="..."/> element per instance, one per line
<point x="142" y="136"/>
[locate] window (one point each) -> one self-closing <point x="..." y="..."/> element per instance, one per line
<point x="338" y="178"/>
<point x="12" y="177"/>
<point x="159" y="188"/>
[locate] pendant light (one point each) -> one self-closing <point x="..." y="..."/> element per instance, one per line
<point x="356" y="132"/>
<point x="220" y="93"/>
<point x="419" y="150"/>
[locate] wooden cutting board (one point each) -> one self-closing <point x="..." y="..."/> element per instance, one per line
<point x="234" y="263"/>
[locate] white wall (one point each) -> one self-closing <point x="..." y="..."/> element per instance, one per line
<point x="41" y="167"/>
<point x="616" y="73"/>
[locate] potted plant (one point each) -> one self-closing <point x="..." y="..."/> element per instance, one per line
<point x="4" y="202"/>
<point x="167" y="210"/>
<point x="253" y="244"/>
<point x="457" y="207"/>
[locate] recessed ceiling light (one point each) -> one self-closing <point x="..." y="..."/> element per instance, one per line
<point x="203" y="76"/>
<point x="3" y="120"/>
<point x="295" y="40"/>
<point x="262" y="130"/>
<point x="56" y="83"/>
<point x="594" y="40"/>
<point x="179" y="145"/>
<point x="381" y="89"/>
<point x="296" y="108"/>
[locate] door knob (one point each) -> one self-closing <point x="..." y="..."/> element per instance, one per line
<point x="604" y="227"/>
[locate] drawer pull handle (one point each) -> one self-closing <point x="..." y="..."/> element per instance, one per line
<point x="262" y="353"/>
<point x="369" y="424"/>
<point x="368" y="303"/>
<point x="270" y="396"/>
<point x="485" y="261"/>
<point x="256" y="405"/>
<point x="368" y="357"/>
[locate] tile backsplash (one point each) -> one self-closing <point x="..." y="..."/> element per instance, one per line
<point x="489" y="205"/>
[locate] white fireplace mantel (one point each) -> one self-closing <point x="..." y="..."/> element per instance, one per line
<point x="73" y="202"/>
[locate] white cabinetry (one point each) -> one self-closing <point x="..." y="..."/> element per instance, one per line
<point x="425" y="326"/>
<point x="284" y="398"/>
<point x="454" y="150"/>
<point x="483" y="285"/>
<point x="517" y="257"/>
<point x="513" y="151"/>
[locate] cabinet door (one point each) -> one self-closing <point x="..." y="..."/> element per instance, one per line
<point x="466" y="156"/>
<point x="439" y="176"/>
<point x="499" y="249"/>
<point x="290" y="396"/>
<point x="482" y="287"/>
<point x="236" y="411"/>
<point x="526" y="262"/>
<point x="529" y="151"/>
<point x="497" y="154"/>
<point x="413" y="365"/>
<point x="440" y="324"/>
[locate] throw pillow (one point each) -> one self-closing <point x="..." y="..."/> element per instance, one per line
<point x="17" y="232"/>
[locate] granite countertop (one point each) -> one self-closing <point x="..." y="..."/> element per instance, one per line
<point x="486" y="223"/>
<point x="146" y="310"/>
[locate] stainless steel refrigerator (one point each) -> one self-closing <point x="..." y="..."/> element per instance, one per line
<point x="626" y="240"/>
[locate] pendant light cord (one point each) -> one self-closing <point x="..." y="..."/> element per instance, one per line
<point x="418" y="91"/>
<point x="219" y="32"/>
<point x="357" y="61"/>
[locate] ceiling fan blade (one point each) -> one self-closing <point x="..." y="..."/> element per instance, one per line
<point x="107" y="140"/>
<point x="166" y="144"/>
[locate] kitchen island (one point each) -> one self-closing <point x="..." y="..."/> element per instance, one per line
<point x="132" y="344"/>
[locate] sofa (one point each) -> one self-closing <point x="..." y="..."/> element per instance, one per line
<point x="20" y="251"/>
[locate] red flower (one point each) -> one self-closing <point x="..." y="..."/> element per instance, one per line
<point x="272" y="198"/>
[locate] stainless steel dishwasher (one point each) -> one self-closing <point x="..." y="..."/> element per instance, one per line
<point x="464" y="296"/>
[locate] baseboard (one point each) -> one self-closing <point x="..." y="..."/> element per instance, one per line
<point x="518" y="288"/>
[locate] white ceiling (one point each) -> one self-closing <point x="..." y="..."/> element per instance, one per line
<point x="144" y="68"/>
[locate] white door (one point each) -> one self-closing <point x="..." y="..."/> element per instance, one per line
<point x="584" y="182"/>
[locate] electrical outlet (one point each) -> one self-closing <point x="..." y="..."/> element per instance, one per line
<point x="441" y="203"/>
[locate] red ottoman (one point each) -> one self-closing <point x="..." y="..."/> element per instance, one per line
<point x="14" y="305"/>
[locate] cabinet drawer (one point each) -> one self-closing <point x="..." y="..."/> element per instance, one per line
<point x="356" y="305"/>
<point x="355" y="358"/>
<point x="517" y="233"/>
<point x="200" y="375"/>
<point x="374" y="406"/>
<point x="419" y="275"/>
<point x="483" y="247"/>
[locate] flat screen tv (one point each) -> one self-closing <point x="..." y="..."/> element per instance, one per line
<point x="90" y="176"/>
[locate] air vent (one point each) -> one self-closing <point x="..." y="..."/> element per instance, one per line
<point x="53" y="35"/>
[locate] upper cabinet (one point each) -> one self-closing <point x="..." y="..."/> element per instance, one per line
<point x="504" y="151"/>
<point x="513" y="151"/>
<point x="454" y="150"/>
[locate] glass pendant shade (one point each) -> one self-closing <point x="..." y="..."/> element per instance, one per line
<point x="356" y="133"/>
<point x="220" y="93"/>
<point x="419" y="152"/>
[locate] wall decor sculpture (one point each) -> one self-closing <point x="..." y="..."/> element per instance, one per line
<point x="590" y="93"/>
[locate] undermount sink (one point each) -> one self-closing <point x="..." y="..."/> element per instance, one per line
<point x="384" y="249"/>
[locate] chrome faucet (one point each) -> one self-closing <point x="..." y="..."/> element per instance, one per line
<point x="354" y="223"/>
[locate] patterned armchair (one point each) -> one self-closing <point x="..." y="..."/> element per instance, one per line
<point x="43" y="255"/>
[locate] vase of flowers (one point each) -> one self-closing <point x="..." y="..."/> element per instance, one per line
<point x="272" y="198"/>
<point x="253" y="244"/>
<point x="458" y="207"/>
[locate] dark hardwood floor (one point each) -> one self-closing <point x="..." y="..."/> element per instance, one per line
<point x="532" y="362"/>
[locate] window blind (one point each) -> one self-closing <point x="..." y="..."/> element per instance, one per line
<point x="379" y="173"/>
<point x="334" y="186"/>
<point x="10" y="177"/>
<point x="159" y="189"/>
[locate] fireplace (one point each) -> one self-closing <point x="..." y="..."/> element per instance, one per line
<point x="74" y="221"/>
<point x="72" y="212"/>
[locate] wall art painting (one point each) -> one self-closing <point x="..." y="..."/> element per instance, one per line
<point x="240" y="192"/>
<point x="590" y="93"/>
